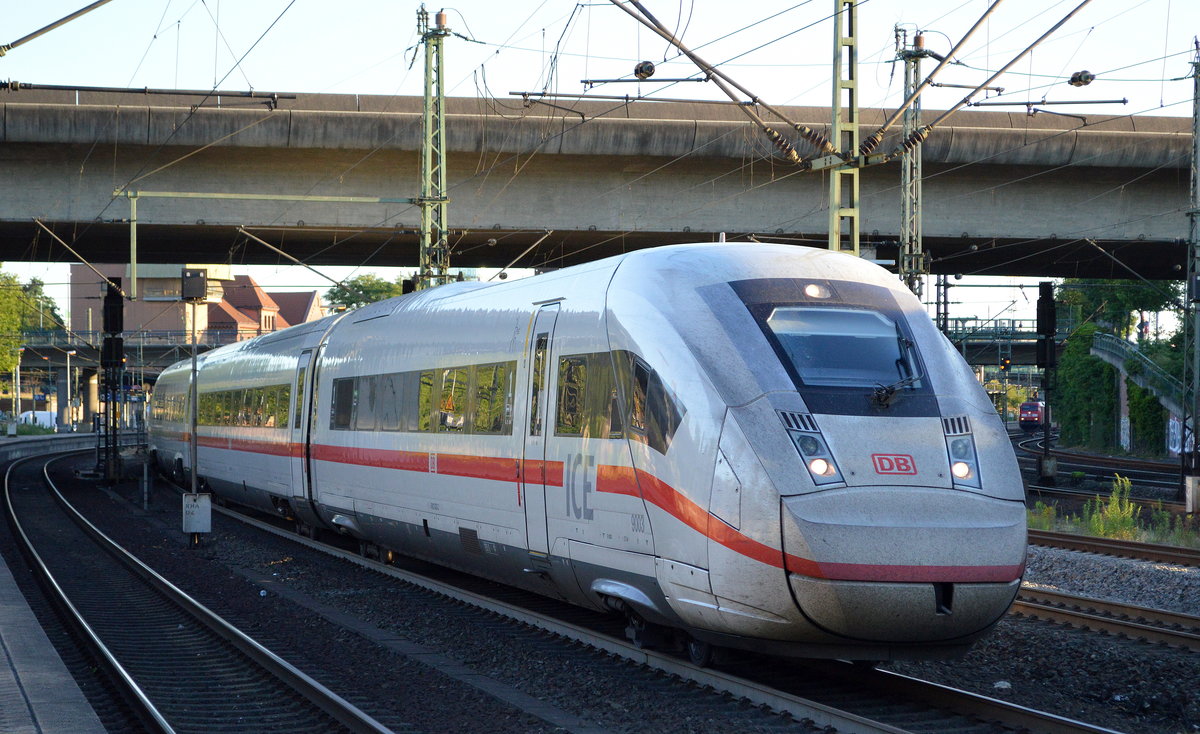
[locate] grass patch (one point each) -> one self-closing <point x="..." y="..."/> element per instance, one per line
<point x="1115" y="518"/>
<point x="1120" y="518"/>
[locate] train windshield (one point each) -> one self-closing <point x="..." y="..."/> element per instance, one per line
<point x="844" y="347"/>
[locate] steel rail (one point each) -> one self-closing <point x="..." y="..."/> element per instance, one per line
<point x="1039" y="491"/>
<point x="1100" y="459"/>
<point x="936" y="695"/>
<point x="345" y="713"/>
<point x="133" y="693"/>
<point x="1108" y="546"/>
<point x="1156" y="625"/>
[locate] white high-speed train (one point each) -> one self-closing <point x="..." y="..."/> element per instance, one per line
<point x="755" y="446"/>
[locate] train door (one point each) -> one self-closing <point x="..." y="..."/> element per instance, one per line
<point x="533" y="459"/>
<point x="299" y="440"/>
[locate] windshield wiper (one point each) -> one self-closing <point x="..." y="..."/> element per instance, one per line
<point x="883" y="395"/>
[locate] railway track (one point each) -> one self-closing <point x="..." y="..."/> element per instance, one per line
<point x="1159" y="480"/>
<point x="1127" y="620"/>
<point x="1041" y="492"/>
<point x="181" y="667"/>
<point x="827" y="693"/>
<point x="1111" y="547"/>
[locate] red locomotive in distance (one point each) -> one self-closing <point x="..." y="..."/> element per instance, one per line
<point x="1033" y="415"/>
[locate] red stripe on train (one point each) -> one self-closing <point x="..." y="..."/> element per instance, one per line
<point x="627" y="481"/>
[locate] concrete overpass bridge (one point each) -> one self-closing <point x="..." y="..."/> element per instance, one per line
<point x="1004" y="193"/>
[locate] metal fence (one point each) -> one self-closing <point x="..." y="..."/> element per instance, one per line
<point x="976" y="329"/>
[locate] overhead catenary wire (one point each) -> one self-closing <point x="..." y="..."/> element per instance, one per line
<point x="273" y="248"/>
<point x="724" y="83"/>
<point x="873" y="140"/>
<point x="923" y="132"/>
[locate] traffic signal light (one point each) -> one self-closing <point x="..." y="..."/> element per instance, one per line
<point x="1005" y="364"/>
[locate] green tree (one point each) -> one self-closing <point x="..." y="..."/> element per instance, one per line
<point x="1115" y="303"/>
<point x="39" y="312"/>
<point x="10" y="320"/>
<point x="363" y="289"/>
<point x="1147" y="421"/>
<point x="1084" y="400"/>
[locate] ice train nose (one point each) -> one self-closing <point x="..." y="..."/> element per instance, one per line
<point x="903" y="563"/>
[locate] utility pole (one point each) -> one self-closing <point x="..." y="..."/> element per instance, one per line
<point x="1191" y="447"/>
<point x="914" y="263"/>
<point x="843" y="179"/>
<point x="435" y="244"/>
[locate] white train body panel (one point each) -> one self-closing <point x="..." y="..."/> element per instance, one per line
<point x="638" y="433"/>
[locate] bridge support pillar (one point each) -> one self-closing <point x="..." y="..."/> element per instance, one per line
<point x="91" y="399"/>
<point x="62" y="402"/>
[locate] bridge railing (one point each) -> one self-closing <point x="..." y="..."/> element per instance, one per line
<point x="92" y="339"/>
<point x="1140" y="367"/>
<point x="974" y="328"/>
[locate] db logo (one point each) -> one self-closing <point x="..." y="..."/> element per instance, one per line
<point x="893" y="464"/>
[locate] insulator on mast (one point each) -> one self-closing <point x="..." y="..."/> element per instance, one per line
<point x="819" y="141"/>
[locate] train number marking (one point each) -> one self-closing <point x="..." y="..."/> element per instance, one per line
<point x="894" y="464"/>
<point x="578" y="484"/>
<point x="433" y="463"/>
<point x="637" y="523"/>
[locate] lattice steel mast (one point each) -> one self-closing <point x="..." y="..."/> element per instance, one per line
<point x="434" y="261"/>
<point x="843" y="179"/>
<point x="914" y="263"/>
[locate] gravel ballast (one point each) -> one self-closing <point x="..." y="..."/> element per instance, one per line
<point x="1120" y="684"/>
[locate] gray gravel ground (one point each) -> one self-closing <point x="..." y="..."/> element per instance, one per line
<point x="1124" y="685"/>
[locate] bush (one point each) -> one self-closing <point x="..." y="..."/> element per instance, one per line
<point x="29" y="429"/>
<point x="1116" y="518"/>
<point x="1042" y="516"/>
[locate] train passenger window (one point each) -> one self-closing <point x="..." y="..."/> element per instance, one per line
<point x="841" y="347"/>
<point x="299" y="397"/>
<point x="493" y="398"/>
<point x="641" y="384"/>
<point x="654" y="413"/>
<point x="601" y="407"/>
<point x="283" y="403"/>
<point x="588" y="406"/>
<point x="572" y="381"/>
<point x="539" y="373"/>
<point x="662" y="413"/>
<point x="206" y="400"/>
<point x="616" y="426"/>
<point x="259" y="406"/>
<point x="342" y="410"/>
<point x="388" y="401"/>
<point x="237" y="407"/>
<point x="425" y="401"/>
<point x="365" y="413"/>
<point x="452" y="409"/>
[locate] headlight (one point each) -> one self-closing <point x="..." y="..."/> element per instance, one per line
<point x="964" y="462"/>
<point x="820" y="467"/>
<point x="818" y="459"/>
<point x="808" y="445"/>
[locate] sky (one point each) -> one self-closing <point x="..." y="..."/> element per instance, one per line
<point x="779" y="49"/>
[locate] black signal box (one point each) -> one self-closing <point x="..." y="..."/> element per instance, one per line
<point x="114" y="307"/>
<point x="194" y="284"/>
